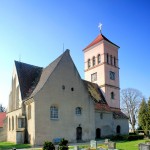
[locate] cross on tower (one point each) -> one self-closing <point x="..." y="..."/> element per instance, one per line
<point x="100" y="27"/>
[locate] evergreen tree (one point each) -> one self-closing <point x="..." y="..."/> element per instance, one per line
<point x="143" y="115"/>
<point x="148" y="113"/>
<point x="2" y="109"/>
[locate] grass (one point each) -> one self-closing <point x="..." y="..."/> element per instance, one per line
<point x="9" y="145"/>
<point x="121" y="145"/>
<point x="129" y="145"/>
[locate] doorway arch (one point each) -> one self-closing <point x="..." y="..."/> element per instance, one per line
<point x="98" y="133"/>
<point x="78" y="133"/>
<point x="118" y="129"/>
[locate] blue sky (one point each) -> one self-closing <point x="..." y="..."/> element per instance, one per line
<point x="34" y="31"/>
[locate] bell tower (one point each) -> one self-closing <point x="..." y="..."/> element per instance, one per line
<point x="101" y="67"/>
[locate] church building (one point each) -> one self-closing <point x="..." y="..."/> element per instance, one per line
<point x="54" y="102"/>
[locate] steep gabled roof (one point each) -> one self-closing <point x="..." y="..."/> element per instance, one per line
<point x="98" y="39"/>
<point x="28" y="76"/>
<point x="47" y="72"/>
<point x="2" y="117"/>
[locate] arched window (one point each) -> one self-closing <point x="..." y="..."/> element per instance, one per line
<point x="111" y="60"/>
<point x="12" y="123"/>
<point x="99" y="59"/>
<point x="107" y="58"/>
<point x="89" y="63"/>
<point x="114" y="61"/>
<point x="112" y="95"/>
<point x="54" y="112"/>
<point x="9" y="124"/>
<point x="94" y="61"/>
<point x="118" y="129"/>
<point x="78" y="110"/>
<point x="29" y="111"/>
<point x="16" y="122"/>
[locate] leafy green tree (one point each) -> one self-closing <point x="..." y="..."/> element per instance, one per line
<point x="143" y="115"/>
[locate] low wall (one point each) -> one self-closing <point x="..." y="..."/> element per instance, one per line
<point x="3" y="132"/>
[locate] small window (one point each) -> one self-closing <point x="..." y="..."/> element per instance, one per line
<point x="63" y="87"/>
<point x="101" y="115"/>
<point x="99" y="59"/>
<point x="72" y="89"/>
<point x="112" y="95"/>
<point x="29" y="112"/>
<point x="53" y="112"/>
<point x="94" y="77"/>
<point x="112" y="75"/>
<point x="89" y="63"/>
<point x="78" y="110"/>
<point x="94" y="61"/>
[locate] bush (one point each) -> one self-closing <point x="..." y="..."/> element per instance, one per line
<point x="132" y="133"/>
<point x="117" y="138"/>
<point x="127" y="137"/>
<point x="63" y="145"/>
<point x="48" y="146"/>
<point x="134" y="137"/>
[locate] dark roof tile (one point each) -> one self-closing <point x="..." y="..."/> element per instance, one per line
<point x="28" y="76"/>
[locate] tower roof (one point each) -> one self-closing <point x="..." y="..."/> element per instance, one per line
<point x="99" y="38"/>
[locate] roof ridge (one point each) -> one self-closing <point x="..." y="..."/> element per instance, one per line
<point x="98" y="39"/>
<point x="19" y="62"/>
<point x="46" y="73"/>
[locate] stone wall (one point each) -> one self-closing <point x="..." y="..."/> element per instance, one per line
<point x="3" y="132"/>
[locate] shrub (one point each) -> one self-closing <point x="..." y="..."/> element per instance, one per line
<point x="63" y="145"/>
<point x="132" y="133"/>
<point x="117" y="138"/>
<point x="127" y="137"/>
<point x="48" y="146"/>
<point x="135" y="137"/>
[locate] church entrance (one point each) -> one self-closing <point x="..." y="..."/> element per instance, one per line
<point x="118" y="129"/>
<point x="98" y="133"/>
<point x="79" y="133"/>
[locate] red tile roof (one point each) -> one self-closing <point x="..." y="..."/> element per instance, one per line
<point x="102" y="107"/>
<point x="2" y="117"/>
<point x="99" y="38"/>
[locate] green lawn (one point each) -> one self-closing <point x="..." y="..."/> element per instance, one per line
<point x="129" y="145"/>
<point x="9" y="145"/>
<point x="121" y="145"/>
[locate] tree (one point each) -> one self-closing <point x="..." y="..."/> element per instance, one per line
<point x="130" y="99"/>
<point x="143" y="115"/>
<point x="2" y="109"/>
<point x="148" y="113"/>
